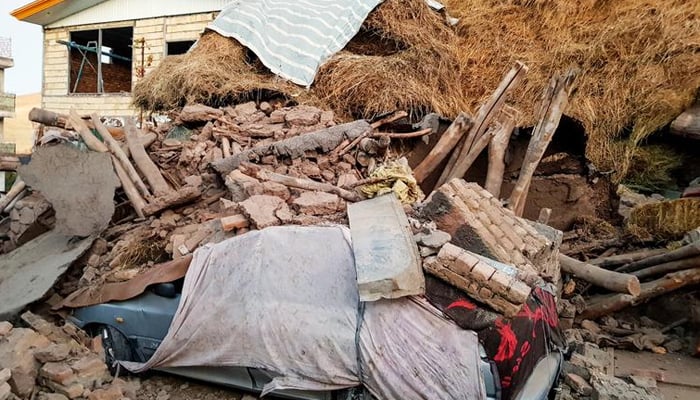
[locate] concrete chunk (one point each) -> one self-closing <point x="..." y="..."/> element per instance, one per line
<point x="386" y="256"/>
<point x="80" y="186"/>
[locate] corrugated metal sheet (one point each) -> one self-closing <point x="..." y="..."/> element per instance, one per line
<point x="126" y="10"/>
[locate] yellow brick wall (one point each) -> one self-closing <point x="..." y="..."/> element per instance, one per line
<point x="155" y="31"/>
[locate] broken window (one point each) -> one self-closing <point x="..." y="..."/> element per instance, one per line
<point x="181" y="47"/>
<point x="100" y="60"/>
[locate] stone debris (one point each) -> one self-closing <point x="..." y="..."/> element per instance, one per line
<point x="50" y="363"/>
<point x="250" y="166"/>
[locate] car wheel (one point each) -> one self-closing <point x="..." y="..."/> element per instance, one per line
<point x="116" y="347"/>
<point x="356" y="393"/>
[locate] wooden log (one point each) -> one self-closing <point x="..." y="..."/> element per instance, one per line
<point x="232" y="222"/>
<point x="226" y="146"/>
<point x="14" y="201"/>
<point x="144" y="163"/>
<point x="393" y="117"/>
<point x="92" y="142"/>
<point x="117" y="151"/>
<point x="14" y="191"/>
<point x="545" y="214"/>
<point x="137" y="202"/>
<point x="185" y="195"/>
<point x="621" y="259"/>
<point x="9" y="163"/>
<point x="615" y="281"/>
<point x="458" y="165"/>
<point x="497" y="153"/>
<point x="671" y="266"/>
<point x="50" y="118"/>
<point x="405" y="135"/>
<point x="308" y="184"/>
<point x="386" y="120"/>
<point x="555" y="100"/>
<point x="443" y="147"/>
<point x="323" y="140"/>
<point x="601" y="305"/>
<point x="687" y="251"/>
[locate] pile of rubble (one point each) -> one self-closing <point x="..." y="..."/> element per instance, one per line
<point x="590" y="373"/>
<point x="47" y="362"/>
<point x="140" y="197"/>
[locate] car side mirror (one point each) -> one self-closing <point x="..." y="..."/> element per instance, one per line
<point x="165" y="290"/>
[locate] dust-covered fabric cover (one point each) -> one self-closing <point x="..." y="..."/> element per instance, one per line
<point x="285" y="299"/>
<point x="293" y="38"/>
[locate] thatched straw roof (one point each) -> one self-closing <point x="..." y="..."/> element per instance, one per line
<point x="640" y="63"/>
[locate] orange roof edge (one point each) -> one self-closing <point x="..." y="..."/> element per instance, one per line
<point x="34" y="8"/>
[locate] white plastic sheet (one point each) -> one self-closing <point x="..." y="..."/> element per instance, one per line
<point x="285" y="299"/>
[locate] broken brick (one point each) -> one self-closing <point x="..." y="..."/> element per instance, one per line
<point x="71" y="391"/>
<point x="110" y="393"/>
<point x="260" y="210"/>
<point x="577" y="383"/>
<point x="57" y="372"/>
<point x="242" y="186"/>
<point x="303" y="116"/>
<point x="53" y="353"/>
<point x="317" y="203"/>
<point x="276" y="189"/>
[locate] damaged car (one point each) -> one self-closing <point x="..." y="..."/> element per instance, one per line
<point x="277" y="312"/>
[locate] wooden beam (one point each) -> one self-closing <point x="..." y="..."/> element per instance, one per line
<point x="615" y="281"/>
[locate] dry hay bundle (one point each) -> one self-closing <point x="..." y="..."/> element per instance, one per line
<point x="405" y="57"/>
<point x="667" y="219"/>
<point x="640" y="61"/>
<point x="217" y="71"/>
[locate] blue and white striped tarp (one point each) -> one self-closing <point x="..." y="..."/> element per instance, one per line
<point x="293" y="37"/>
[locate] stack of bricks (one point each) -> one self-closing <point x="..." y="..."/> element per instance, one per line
<point x="478" y="222"/>
<point x="51" y="362"/>
<point x="485" y="281"/>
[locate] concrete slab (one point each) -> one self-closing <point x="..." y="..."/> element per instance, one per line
<point x="386" y="256"/>
<point x="27" y="273"/>
<point x="79" y="185"/>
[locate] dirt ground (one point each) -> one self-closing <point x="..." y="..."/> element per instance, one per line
<point x="168" y="387"/>
<point x="681" y="380"/>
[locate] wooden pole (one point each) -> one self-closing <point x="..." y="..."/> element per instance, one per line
<point x="137" y="202"/>
<point x="226" y="146"/>
<point x="308" y="184"/>
<point x="117" y="151"/>
<point x="14" y="191"/>
<point x="615" y="281"/>
<point x="449" y="139"/>
<point x="627" y="258"/>
<point x="85" y="133"/>
<point x="497" y="153"/>
<point x="144" y="163"/>
<point x="687" y="251"/>
<point x="599" y="306"/>
<point x="671" y="266"/>
<point x="554" y="102"/>
<point x="457" y="166"/>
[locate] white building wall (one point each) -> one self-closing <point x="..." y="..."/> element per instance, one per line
<point x="124" y="10"/>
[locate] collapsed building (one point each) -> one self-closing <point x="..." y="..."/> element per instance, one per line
<point x="242" y="150"/>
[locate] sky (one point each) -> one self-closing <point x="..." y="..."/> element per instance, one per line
<point x="25" y="76"/>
